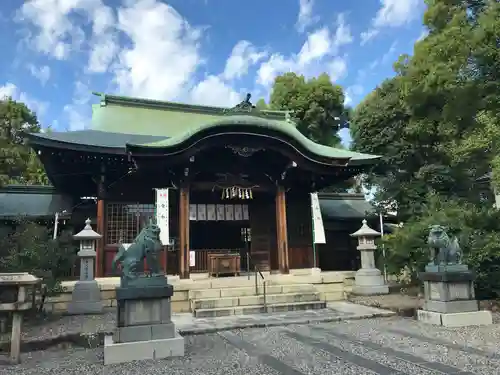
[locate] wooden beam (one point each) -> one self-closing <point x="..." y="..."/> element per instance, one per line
<point x="184" y="232"/>
<point x="282" y="234"/>
<point x="101" y="229"/>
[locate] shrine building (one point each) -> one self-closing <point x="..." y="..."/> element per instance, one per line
<point x="238" y="181"/>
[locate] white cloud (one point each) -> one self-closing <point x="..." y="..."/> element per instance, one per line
<point x="305" y="17"/>
<point x="214" y="92"/>
<point x="243" y="55"/>
<point x="337" y="69"/>
<point x="164" y="52"/>
<point x="319" y="45"/>
<point x="11" y="90"/>
<point x="41" y="73"/>
<point x="393" y="13"/>
<point x="104" y="44"/>
<point x="78" y="114"/>
<point x="353" y="92"/>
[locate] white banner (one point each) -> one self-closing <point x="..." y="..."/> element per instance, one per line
<point x="317" y="220"/>
<point x="162" y="214"/>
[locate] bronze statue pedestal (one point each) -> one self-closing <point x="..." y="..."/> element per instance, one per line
<point x="450" y="299"/>
<point x="144" y="326"/>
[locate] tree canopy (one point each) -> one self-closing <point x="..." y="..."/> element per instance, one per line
<point x="317" y="105"/>
<point x="436" y="124"/>
<point x="18" y="163"/>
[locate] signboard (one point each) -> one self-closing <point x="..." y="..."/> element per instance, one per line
<point x="221" y="212"/>
<point x="192" y="259"/>
<point x="211" y="212"/>
<point x="238" y="212"/>
<point x="193" y="212"/>
<point x="162" y="214"/>
<point x="317" y="220"/>
<point x="245" y="212"/>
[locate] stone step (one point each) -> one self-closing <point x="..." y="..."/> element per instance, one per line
<point x="259" y="309"/>
<point x="211" y="303"/>
<point x="249" y="291"/>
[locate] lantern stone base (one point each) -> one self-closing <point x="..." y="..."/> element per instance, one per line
<point x="86" y="298"/>
<point x="369" y="282"/>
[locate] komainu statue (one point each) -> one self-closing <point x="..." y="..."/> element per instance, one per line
<point x="444" y="250"/>
<point x="146" y="245"/>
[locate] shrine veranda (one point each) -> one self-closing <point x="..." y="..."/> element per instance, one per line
<point x="235" y="183"/>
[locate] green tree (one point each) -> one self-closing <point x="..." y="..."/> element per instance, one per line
<point x="18" y="163"/>
<point x="476" y="227"/>
<point x="317" y="105"/>
<point x="435" y="122"/>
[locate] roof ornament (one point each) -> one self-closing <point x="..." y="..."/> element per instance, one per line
<point x="245" y="106"/>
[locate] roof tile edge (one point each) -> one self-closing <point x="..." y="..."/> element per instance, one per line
<point x="175" y="106"/>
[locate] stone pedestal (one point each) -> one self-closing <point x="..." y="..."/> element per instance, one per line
<point x="144" y="326"/>
<point x="86" y="298"/>
<point x="369" y="282"/>
<point x="449" y="298"/>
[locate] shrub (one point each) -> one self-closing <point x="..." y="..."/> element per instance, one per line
<point x="478" y="231"/>
<point x="29" y="247"/>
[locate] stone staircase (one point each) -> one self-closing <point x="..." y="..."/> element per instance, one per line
<point x="244" y="300"/>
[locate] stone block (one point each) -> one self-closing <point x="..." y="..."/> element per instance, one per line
<point x="473" y="318"/>
<point x="86" y="298"/>
<point x="204" y="293"/>
<point x="215" y="303"/>
<point x="250" y="300"/>
<point x="449" y="290"/>
<point x="238" y="292"/>
<point x="115" y="353"/>
<point x="180" y="306"/>
<point x="453" y="320"/>
<point x="147" y="311"/>
<point x="370" y="290"/>
<point x="332" y="296"/>
<point x="451" y="306"/>
<point x="330" y="287"/>
<point x="181" y="295"/>
<point x="144" y="332"/>
<point x="298" y="288"/>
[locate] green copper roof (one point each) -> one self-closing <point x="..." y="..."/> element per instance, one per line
<point x="139" y="124"/>
<point x="260" y="125"/>
<point x="32" y="202"/>
<point x="345" y="206"/>
<point x="119" y="114"/>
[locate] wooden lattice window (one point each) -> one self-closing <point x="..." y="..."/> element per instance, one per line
<point x="125" y="221"/>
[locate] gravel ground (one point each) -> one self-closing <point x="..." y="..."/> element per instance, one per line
<point x="372" y="346"/>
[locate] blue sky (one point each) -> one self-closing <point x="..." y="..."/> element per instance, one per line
<point x="56" y="52"/>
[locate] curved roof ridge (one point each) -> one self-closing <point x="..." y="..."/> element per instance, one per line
<point x="282" y="127"/>
<point x="183" y="107"/>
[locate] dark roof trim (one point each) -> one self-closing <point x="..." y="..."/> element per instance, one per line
<point x="95" y="141"/>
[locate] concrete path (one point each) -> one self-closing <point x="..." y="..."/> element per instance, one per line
<point x="384" y="346"/>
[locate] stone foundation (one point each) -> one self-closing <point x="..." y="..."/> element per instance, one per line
<point x="332" y="286"/>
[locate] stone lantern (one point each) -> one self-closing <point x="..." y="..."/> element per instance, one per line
<point x="86" y="297"/>
<point x="369" y="280"/>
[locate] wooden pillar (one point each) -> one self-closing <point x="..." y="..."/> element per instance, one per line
<point x="281" y="228"/>
<point x="101" y="229"/>
<point x="184" y="232"/>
